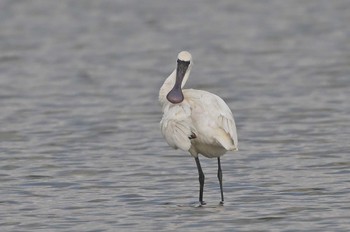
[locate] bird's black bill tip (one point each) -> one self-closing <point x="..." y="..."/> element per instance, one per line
<point x="175" y="96"/>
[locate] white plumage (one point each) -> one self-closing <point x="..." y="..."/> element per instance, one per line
<point x="195" y="120"/>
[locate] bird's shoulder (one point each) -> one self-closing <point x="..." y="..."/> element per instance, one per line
<point x="207" y="101"/>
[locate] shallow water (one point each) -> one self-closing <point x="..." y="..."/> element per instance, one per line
<point x="81" y="148"/>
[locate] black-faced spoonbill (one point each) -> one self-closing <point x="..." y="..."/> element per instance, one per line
<point x="195" y="120"/>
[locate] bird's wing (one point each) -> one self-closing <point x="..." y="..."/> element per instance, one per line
<point x="177" y="127"/>
<point x="225" y="119"/>
<point x="220" y="117"/>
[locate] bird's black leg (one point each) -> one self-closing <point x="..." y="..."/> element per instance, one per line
<point x="220" y="181"/>
<point x="201" y="181"/>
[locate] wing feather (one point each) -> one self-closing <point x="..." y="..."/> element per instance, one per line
<point x="177" y="127"/>
<point x="221" y="115"/>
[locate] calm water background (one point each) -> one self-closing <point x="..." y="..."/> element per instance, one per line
<point x="80" y="146"/>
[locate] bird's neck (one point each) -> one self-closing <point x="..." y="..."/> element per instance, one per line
<point x="166" y="87"/>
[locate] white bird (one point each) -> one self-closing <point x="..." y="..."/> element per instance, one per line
<point x="195" y="120"/>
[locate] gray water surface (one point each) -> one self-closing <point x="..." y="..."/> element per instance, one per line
<point x="80" y="145"/>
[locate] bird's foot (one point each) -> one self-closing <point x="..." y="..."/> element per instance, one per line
<point x="221" y="203"/>
<point x="201" y="203"/>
